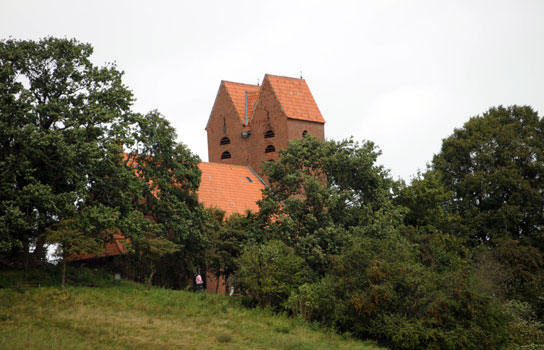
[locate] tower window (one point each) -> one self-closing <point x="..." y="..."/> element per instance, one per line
<point x="225" y="141"/>
<point x="269" y="134"/>
<point x="304" y="133"/>
<point x="270" y="149"/>
<point x="225" y="155"/>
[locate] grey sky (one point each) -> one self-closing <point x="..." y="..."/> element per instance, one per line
<point x="403" y="74"/>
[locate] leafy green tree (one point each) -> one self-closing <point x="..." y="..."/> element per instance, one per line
<point x="64" y="125"/>
<point x="427" y="202"/>
<point x="70" y="239"/>
<point x="494" y="166"/>
<point x="170" y="175"/>
<point x="227" y="240"/>
<point x="59" y="116"/>
<point x="270" y="272"/>
<point x="319" y="190"/>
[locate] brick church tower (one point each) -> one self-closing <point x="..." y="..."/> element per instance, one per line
<point x="250" y="123"/>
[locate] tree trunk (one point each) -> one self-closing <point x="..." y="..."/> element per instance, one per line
<point x="63" y="272"/>
<point x="149" y="280"/>
<point x="39" y="256"/>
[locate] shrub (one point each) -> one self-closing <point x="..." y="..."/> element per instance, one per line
<point x="314" y="301"/>
<point x="526" y="330"/>
<point x="270" y="272"/>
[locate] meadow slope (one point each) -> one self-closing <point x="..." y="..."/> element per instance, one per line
<point x="129" y="317"/>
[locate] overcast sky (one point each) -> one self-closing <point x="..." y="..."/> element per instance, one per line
<point x="403" y="74"/>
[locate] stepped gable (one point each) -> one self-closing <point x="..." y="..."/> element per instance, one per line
<point x="237" y="93"/>
<point x="295" y="98"/>
<point x="231" y="188"/>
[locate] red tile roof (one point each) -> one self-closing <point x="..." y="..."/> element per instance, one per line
<point x="116" y="247"/>
<point x="237" y="92"/>
<point x="232" y="188"/>
<point x="295" y="98"/>
<point x="293" y="95"/>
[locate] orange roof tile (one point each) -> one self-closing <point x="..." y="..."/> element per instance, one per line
<point x="237" y="92"/>
<point x="113" y="248"/>
<point x="232" y="188"/>
<point x="295" y="98"/>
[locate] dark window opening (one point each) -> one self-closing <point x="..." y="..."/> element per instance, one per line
<point x="270" y="149"/>
<point x="269" y="134"/>
<point x="225" y="155"/>
<point x="225" y="141"/>
<point x="304" y="133"/>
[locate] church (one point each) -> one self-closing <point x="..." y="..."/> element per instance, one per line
<point x="247" y="126"/>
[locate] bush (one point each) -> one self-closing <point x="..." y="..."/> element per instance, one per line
<point x="314" y="301"/>
<point x="526" y="330"/>
<point x="384" y="292"/>
<point x="270" y="272"/>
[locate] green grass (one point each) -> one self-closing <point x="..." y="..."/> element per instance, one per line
<point x="129" y="317"/>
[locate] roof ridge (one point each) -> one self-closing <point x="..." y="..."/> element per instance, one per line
<point x="224" y="164"/>
<point x="283" y="76"/>
<point x="235" y="82"/>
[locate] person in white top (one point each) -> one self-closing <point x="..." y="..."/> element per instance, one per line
<point x="199" y="283"/>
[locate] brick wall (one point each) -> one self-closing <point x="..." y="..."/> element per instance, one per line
<point x="224" y="122"/>
<point x="296" y="127"/>
<point x="269" y="115"/>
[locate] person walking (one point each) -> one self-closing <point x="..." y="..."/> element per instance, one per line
<point x="199" y="283"/>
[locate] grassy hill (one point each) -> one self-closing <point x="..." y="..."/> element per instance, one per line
<point x="127" y="316"/>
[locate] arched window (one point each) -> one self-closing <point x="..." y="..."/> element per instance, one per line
<point x="269" y="134"/>
<point x="304" y="133"/>
<point x="225" y="155"/>
<point x="225" y="141"/>
<point x="270" y="149"/>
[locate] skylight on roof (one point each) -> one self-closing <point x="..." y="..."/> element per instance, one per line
<point x="249" y="179"/>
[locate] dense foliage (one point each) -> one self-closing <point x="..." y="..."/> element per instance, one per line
<point x="64" y="176"/>
<point x="452" y="260"/>
<point x="494" y="165"/>
<point x="384" y="261"/>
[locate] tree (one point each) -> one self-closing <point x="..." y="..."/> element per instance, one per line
<point x="227" y="240"/>
<point x="270" y="272"/>
<point x="170" y="177"/>
<point x="427" y="201"/>
<point x="319" y="190"/>
<point x="59" y="116"/>
<point x="382" y="267"/>
<point x="70" y="240"/>
<point x="64" y="127"/>
<point x="494" y="165"/>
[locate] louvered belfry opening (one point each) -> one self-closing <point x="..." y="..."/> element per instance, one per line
<point x="225" y="155"/>
<point x="225" y="141"/>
